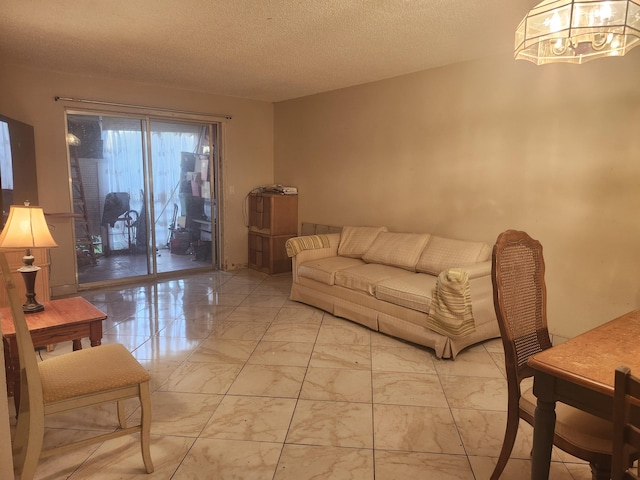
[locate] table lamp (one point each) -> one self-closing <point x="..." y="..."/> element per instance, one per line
<point x="27" y="228"/>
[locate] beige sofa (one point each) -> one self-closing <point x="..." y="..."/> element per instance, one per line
<point x="426" y="289"/>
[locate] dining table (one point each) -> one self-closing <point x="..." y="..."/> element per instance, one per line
<point x="580" y="372"/>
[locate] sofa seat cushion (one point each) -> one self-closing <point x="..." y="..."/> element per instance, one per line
<point x="397" y="249"/>
<point x="364" y="278"/>
<point x="411" y="291"/>
<point x="444" y="253"/>
<point x="324" y="270"/>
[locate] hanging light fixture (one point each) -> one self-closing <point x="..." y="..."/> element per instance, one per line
<point x="576" y="31"/>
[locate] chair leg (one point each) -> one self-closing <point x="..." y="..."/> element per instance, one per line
<point x="22" y="432"/>
<point x="513" y="420"/>
<point x="28" y="438"/>
<point x="20" y="440"/>
<point x="600" y="470"/>
<point x="145" y="423"/>
<point x="122" y="418"/>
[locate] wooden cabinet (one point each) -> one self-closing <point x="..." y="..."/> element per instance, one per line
<point x="14" y="259"/>
<point x="273" y="219"/>
<point x="268" y="254"/>
<point x="273" y="214"/>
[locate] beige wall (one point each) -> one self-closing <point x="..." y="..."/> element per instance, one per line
<point x="470" y="150"/>
<point x="464" y="151"/>
<point x="27" y="95"/>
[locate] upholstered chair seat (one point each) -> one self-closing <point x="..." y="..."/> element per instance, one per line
<point x="88" y="371"/>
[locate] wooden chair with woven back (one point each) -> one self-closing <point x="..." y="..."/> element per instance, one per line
<point x="519" y="292"/>
<point x="626" y="424"/>
<point x="107" y="373"/>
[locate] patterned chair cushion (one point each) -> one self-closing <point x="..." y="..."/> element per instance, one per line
<point x="95" y="369"/>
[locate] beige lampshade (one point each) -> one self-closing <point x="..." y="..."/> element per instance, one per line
<point x="576" y="31"/>
<point x="26" y="228"/>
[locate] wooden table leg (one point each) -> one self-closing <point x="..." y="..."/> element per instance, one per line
<point x="95" y="333"/>
<point x="8" y="370"/>
<point x="544" y="426"/>
<point x="13" y="371"/>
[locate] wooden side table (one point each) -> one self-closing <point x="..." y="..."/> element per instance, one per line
<point x="67" y="319"/>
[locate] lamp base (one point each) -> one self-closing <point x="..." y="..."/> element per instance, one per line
<point x="32" y="307"/>
<point x="29" y="273"/>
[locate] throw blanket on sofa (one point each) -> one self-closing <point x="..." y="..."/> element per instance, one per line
<point x="309" y="242"/>
<point x="450" y="312"/>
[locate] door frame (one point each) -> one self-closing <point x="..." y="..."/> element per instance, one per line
<point x="217" y="128"/>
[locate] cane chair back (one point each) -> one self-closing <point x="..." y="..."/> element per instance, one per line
<point x="93" y="376"/>
<point x="519" y="294"/>
<point x="520" y="298"/>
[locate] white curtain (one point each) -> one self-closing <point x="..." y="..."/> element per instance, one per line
<point x="122" y="169"/>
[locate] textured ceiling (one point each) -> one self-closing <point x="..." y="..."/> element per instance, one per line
<point x="259" y="49"/>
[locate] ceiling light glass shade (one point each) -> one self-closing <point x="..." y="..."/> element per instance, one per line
<point x="72" y="140"/>
<point x="576" y="31"/>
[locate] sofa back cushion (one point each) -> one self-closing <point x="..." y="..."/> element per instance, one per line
<point x="355" y="241"/>
<point x="444" y="253"/>
<point x="397" y="249"/>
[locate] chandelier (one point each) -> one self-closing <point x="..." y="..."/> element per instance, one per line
<point x="576" y="31"/>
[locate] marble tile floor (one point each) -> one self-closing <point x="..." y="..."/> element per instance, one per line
<point x="250" y="385"/>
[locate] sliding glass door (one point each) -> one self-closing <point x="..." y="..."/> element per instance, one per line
<point x="144" y="195"/>
<point x="184" y="208"/>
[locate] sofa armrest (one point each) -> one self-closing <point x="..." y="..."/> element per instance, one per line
<point x="450" y="313"/>
<point x="462" y="300"/>
<point x="311" y="247"/>
<point x="477" y="270"/>
<point x="297" y="245"/>
<point x="481" y="288"/>
<point x="482" y="300"/>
